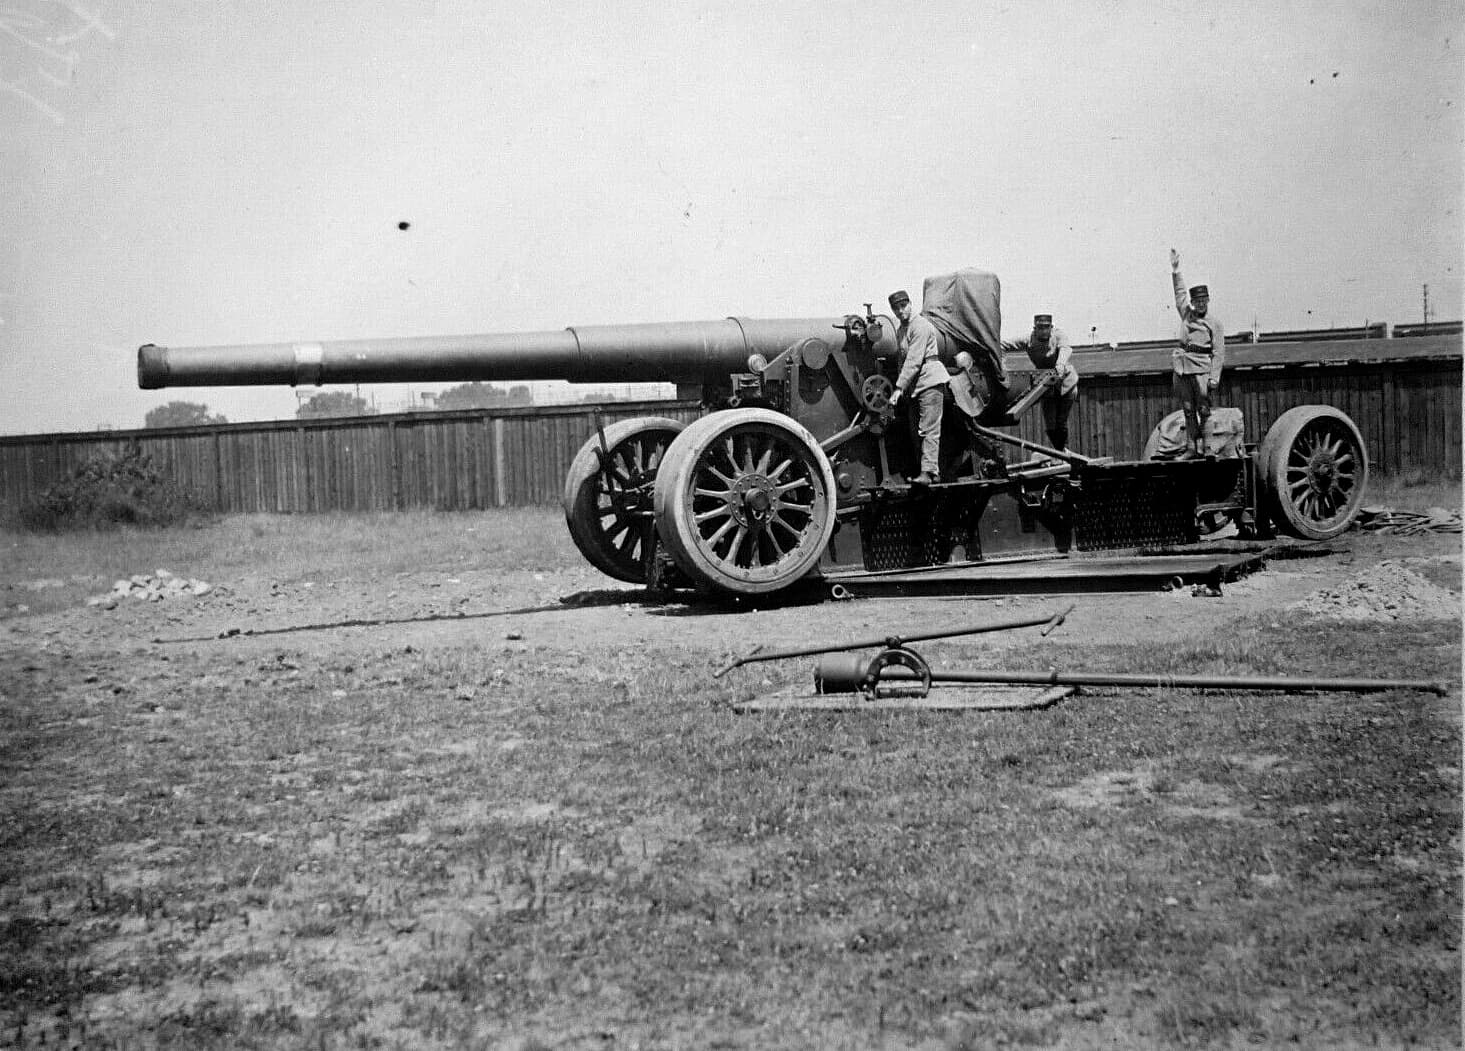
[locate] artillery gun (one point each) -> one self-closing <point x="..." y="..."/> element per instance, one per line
<point x="798" y="467"/>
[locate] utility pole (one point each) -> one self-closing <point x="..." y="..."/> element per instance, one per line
<point x="1426" y="304"/>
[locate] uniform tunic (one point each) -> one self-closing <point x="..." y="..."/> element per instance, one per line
<point x="924" y="378"/>
<point x="920" y="365"/>
<point x="1054" y="355"/>
<point x="1202" y="349"/>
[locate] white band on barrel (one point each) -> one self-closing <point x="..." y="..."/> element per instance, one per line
<point x="308" y="357"/>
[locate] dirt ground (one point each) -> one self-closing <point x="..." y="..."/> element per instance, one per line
<point x="579" y="611"/>
<point x="563" y="619"/>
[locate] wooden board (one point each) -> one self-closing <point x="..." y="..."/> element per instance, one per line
<point x="940" y="699"/>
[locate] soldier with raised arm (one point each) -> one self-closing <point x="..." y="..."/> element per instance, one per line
<point x="1197" y="361"/>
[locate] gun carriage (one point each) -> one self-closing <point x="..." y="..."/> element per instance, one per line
<point x="799" y="467"/>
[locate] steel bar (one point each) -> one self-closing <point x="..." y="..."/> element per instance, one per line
<point x="1187" y="682"/>
<point x="1022" y="443"/>
<point x="1047" y="621"/>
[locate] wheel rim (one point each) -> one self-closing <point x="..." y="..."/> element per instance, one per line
<point x="623" y="494"/>
<point x="1315" y="468"/>
<point x="1322" y="473"/>
<point x="745" y="501"/>
<point x="608" y="496"/>
<point x="753" y="499"/>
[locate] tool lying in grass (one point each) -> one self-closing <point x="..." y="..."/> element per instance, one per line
<point x="878" y="677"/>
<point x="1048" y="621"/>
<point x="899" y="677"/>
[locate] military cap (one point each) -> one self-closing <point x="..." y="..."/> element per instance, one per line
<point x="897" y="298"/>
<point x="1042" y="320"/>
<point x="1197" y="291"/>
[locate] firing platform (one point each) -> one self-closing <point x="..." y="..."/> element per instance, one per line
<point x="1056" y="575"/>
<point x="940" y="699"/>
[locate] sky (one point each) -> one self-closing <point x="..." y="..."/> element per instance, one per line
<point x="189" y="173"/>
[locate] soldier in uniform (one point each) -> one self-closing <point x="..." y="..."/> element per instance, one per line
<point x="1048" y="348"/>
<point x="1197" y="360"/>
<point x="923" y="375"/>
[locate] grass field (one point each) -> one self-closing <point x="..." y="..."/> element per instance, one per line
<point x="348" y="842"/>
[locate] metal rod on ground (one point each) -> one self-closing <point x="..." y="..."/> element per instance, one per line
<point x="1190" y="682"/>
<point x="1048" y="621"/>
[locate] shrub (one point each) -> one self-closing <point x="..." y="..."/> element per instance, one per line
<point x="110" y="490"/>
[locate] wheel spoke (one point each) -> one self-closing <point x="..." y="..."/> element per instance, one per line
<point x="737" y="543"/>
<point x="721" y="532"/>
<point x="720" y="511"/>
<point x="726" y="479"/>
<point x="711" y="494"/>
<point x="749" y="445"/>
<point x="777" y="472"/>
<point x="778" y="520"/>
<point x="755" y="549"/>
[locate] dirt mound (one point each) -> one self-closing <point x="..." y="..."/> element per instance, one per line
<point x="1387" y="590"/>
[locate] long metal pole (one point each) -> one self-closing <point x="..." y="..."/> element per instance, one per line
<point x="1047" y="620"/>
<point x="1185" y="682"/>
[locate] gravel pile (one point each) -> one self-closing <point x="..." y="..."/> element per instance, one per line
<point x="145" y="588"/>
<point x="1387" y="590"/>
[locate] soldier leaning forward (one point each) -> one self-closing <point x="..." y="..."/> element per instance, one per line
<point x="1048" y="349"/>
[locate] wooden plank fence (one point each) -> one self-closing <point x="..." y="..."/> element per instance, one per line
<point x="1404" y="395"/>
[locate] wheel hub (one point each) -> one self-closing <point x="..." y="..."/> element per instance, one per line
<point x="1320" y="471"/>
<point x="751" y="499"/>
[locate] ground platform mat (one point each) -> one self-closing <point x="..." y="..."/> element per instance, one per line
<point x="1078" y="574"/>
<point x="940" y="699"/>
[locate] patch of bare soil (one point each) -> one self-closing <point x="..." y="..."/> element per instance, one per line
<point x="1386" y="591"/>
<point x="580" y="612"/>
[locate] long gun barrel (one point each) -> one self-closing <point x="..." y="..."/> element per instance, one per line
<point x="674" y="352"/>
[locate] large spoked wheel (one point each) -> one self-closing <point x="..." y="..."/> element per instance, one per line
<point x="745" y="501"/>
<point x="608" y="494"/>
<point x="1314" y="469"/>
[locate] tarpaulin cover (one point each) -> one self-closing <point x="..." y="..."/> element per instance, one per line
<point x="966" y="308"/>
<point x="1225" y="435"/>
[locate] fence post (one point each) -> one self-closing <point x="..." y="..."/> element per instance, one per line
<point x="500" y="486"/>
<point x="396" y="465"/>
<point x="218" y="471"/>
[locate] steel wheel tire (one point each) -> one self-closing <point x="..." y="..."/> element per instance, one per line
<point x="608" y="510"/>
<point x="1314" y="469"/>
<point x="745" y="501"/>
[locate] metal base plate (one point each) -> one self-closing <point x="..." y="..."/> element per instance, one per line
<point x="940" y="699"/>
<point x="1053" y="576"/>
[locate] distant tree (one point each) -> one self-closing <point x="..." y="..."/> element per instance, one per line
<point x="483" y="396"/>
<point x="181" y="414"/>
<point x="333" y="403"/>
